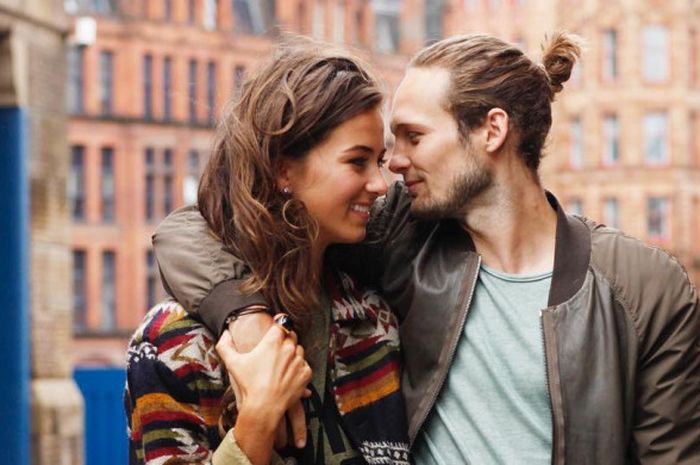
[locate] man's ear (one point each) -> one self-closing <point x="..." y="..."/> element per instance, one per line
<point x="496" y="126"/>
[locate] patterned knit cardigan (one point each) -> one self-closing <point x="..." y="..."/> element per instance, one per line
<point x="175" y="384"/>
<point x="174" y="388"/>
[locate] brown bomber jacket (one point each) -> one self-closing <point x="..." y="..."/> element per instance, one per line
<point x="621" y="329"/>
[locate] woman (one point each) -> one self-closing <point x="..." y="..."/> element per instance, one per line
<point x="295" y="169"/>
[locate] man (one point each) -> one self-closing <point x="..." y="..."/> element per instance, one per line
<point x="529" y="336"/>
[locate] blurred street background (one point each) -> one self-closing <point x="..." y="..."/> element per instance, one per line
<point x="107" y="111"/>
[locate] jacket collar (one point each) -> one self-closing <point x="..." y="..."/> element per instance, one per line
<point x="572" y="251"/>
<point x="572" y="255"/>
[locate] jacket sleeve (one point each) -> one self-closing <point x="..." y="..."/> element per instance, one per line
<point x="172" y="400"/>
<point x="204" y="277"/>
<point x="667" y="414"/>
<point x="196" y="269"/>
<point x="229" y="453"/>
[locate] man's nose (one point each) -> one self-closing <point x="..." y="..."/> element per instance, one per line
<point x="399" y="163"/>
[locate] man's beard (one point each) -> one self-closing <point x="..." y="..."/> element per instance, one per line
<point x="464" y="188"/>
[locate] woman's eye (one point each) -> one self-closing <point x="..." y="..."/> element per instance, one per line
<point x="360" y="161"/>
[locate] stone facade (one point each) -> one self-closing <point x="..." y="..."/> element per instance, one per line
<point x="36" y="36"/>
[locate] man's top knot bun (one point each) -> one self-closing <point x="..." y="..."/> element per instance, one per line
<point x="559" y="54"/>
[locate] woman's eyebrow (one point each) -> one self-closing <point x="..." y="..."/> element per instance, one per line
<point x="359" y="148"/>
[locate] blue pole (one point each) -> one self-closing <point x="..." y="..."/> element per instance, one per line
<point x="14" y="288"/>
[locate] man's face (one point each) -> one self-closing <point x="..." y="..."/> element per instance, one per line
<point x="442" y="172"/>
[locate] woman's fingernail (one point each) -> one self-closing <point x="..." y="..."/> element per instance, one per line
<point x="301" y="443"/>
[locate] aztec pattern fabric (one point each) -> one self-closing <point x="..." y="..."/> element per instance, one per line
<point x="174" y="388"/>
<point x="175" y="385"/>
<point x="364" y="366"/>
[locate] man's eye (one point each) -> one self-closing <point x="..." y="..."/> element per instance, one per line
<point x="381" y="161"/>
<point x="413" y="137"/>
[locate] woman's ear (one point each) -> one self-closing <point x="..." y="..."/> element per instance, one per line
<point x="282" y="175"/>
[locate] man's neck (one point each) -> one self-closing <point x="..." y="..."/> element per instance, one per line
<point x="513" y="227"/>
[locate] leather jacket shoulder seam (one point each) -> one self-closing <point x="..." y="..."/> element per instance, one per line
<point x="619" y="295"/>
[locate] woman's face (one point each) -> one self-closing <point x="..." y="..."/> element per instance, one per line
<point x="339" y="179"/>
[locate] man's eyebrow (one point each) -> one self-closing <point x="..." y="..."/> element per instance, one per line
<point x="395" y="126"/>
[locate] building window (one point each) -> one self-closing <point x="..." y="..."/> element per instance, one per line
<point x="253" y="16"/>
<point x="168" y="10"/>
<point x="693" y="150"/>
<point x="609" y="55"/>
<point x="151" y="279"/>
<point x="433" y="21"/>
<point x="108" y="307"/>
<point x="656" y="138"/>
<point x="105" y="7"/>
<point x="210" y="14"/>
<point x="211" y="92"/>
<point x="693" y="57"/>
<point x="167" y="88"/>
<point x="301" y="17"/>
<point x="577" y="73"/>
<point x="387" y="25"/>
<point x="339" y="22"/>
<point x="359" y="30"/>
<point x="76" y="79"/>
<point x="192" y="90"/>
<point x="238" y="79"/>
<point x="167" y="181"/>
<point x="192" y="178"/>
<point x="148" y="87"/>
<point x="575" y="206"/>
<point x="611" y="140"/>
<point x="319" y="20"/>
<point x="76" y="182"/>
<point x="191" y="11"/>
<point x="657" y="218"/>
<point x="576" y="148"/>
<point x="611" y="213"/>
<point x="79" y="299"/>
<point x="106" y="82"/>
<point x="243" y="16"/>
<point x="150" y="183"/>
<point x="656" y="53"/>
<point x="107" y="186"/>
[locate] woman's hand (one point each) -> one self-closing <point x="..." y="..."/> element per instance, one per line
<point x="246" y="332"/>
<point x="267" y="381"/>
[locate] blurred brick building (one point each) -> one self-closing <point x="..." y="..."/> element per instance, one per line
<point x="148" y="78"/>
<point x="147" y="81"/>
<point x="625" y="145"/>
<point x="32" y="70"/>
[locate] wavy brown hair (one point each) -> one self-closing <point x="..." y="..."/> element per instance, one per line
<point x="290" y="105"/>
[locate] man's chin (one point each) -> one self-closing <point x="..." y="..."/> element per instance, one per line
<point x="426" y="211"/>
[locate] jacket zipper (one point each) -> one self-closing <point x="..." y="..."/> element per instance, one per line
<point x="453" y="349"/>
<point x="553" y="392"/>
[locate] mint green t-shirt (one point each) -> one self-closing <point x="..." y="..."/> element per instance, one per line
<point x="494" y="406"/>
